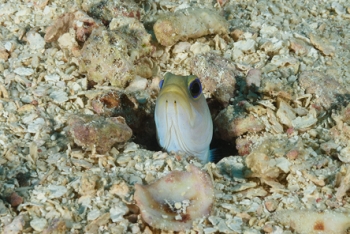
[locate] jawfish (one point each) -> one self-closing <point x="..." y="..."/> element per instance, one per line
<point x="182" y="116"/>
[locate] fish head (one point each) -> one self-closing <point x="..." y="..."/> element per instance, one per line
<point x="182" y="116"/>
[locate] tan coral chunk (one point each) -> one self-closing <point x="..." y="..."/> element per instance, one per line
<point x="188" y="23"/>
<point x="304" y="221"/>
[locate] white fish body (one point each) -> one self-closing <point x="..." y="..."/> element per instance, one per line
<point x="182" y="117"/>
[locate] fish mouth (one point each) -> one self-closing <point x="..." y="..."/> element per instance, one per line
<point x="175" y="102"/>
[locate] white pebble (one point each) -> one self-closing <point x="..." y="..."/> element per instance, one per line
<point x="36" y="42"/>
<point x="22" y="71"/>
<point x="36" y="125"/>
<point x="177" y="205"/>
<point x="94" y="214"/>
<point x="38" y="224"/>
<point x="118" y="212"/>
<point x="57" y="191"/>
<point x="52" y="77"/>
<point x="137" y="84"/>
<point x="59" y="96"/>
<point x="9" y="46"/>
<point x="247" y="46"/>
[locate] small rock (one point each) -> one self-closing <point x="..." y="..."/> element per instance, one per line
<point x="285" y="113"/>
<point x="115" y="56"/>
<point x="60" y="26"/>
<point x="217" y="76"/>
<point x="38" y="224"/>
<point x="307" y="221"/>
<point x="10" y="46"/>
<point x="344" y="155"/>
<point x="271" y="205"/>
<point x="304" y="123"/>
<point x="93" y="214"/>
<point x="268" y="31"/>
<point x="57" y="226"/>
<point x="247" y="46"/>
<point x="137" y="84"/>
<point x="57" y="191"/>
<point x="339" y="9"/>
<point x="4" y="55"/>
<point x="36" y="42"/>
<point x="236" y="34"/>
<point x="22" y="71"/>
<point x="88" y="183"/>
<point x="230" y="125"/>
<point x="36" y="125"/>
<point x="243" y="145"/>
<point x="199" y="48"/>
<point x="52" y="77"/>
<point x="267" y="160"/>
<point x="188" y="23"/>
<point x="118" y="212"/>
<point x="181" y="47"/>
<point x="323" y="45"/>
<point x="100" y="132"/>
<point x="329" y="147"/>
<point x="298" y="47"/>
<point x="15" y="199"/>
<point x="59" y="96"/>
<point x="344" y="177"/>
<point x="67" y="41"/>
<point x="121" y="189"/>
<point x="328" y="90"/>
<point x="94" y="226"/>
<point x="254" y="77"/>
<point x="40" y="4"/>
<point x="3" y="209"/>
<point x="16" y="226"/>
<point x="292" y="155"/>
<point x="286" y="63"/>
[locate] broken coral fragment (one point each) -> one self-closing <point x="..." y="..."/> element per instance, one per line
<point x="176" y="200"/>
<point x="344" y="177"/>
<point x="304" y="221"/>
<point x="78" y="20"/>
<point x="268" y="160"/>
<point x="188" y="23"/>
<point x="328" y="90"/>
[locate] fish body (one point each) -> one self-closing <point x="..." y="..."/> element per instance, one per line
<point x="182" y="117"/>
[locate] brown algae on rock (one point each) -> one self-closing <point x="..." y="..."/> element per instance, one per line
<point x="176" y="200"/>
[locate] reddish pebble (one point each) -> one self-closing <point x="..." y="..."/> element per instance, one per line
<point x="290" y="131"/>
<point x="34" y="102"/>
<point x="15" y="199"/>
<point x="293" y="154"/>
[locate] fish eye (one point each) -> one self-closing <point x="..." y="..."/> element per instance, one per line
<point x="195" y="88"/>
<point x="161" y="84"/>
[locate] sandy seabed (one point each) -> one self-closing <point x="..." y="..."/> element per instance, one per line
<point x="286" y="111"/>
